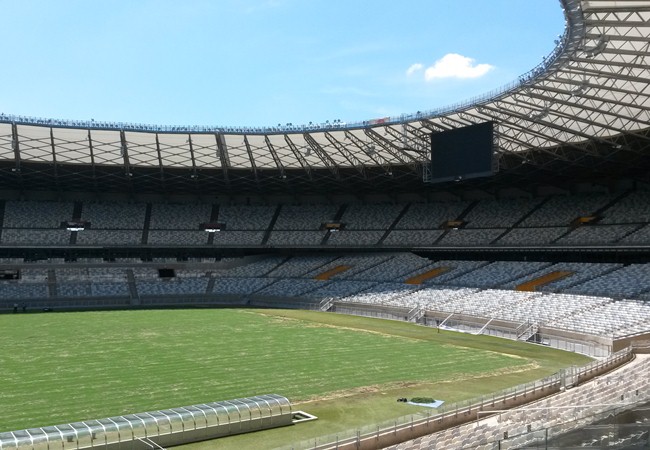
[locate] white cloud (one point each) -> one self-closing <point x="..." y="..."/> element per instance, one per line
<point x="414" y="68"/>
<point x="453" y="65"/>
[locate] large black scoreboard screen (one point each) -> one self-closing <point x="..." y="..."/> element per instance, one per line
<point x="462" y="153"/>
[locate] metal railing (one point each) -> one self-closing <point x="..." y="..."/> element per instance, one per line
<point x="469" y="408"/>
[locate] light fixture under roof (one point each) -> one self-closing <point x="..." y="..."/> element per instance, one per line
<point x="596" y="49"/>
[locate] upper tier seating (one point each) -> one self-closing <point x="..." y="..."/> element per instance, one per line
<point x="346" y="237"/>
<point x="539" y="221"/>
<point x="596" y="234"/>
<point x="499" y="213"/>
<point x="562" y="210"/>
<point x="229" y="237"/>
<point x="412" y="237"/>
<point x="470" y="237"/>
<point x="169" y="237"/>
<point x="430" y="216"/>
<point x="246" y="217"/>
<point x="36" y="237"/>
<point x="115" y="216"/>
<point x="307" y="217"/>
<point x="370" y="217"/>
<point x="179" y="217"/>
<point x="633" y="208"/>
<point x="106" y="237"/>
<point x="29" y="214"/>
<point x="298" y="237"/>
<point x="641" y="236"/>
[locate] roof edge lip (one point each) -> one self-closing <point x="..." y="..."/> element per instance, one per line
<point x="565" y="45"/>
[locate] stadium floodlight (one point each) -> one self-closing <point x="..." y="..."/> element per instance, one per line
<point x="579" y="89"/>
<point x="539" y="114"/>
<point x="598" y="48"/>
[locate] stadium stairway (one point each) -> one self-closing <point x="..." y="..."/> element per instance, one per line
<point x="147" y="222"/>
<point x="394" y="224"/>
<point x="214" y="218"/>
<point x="327" y="275"/>
<point x="601" y="211"/>
<point x="52" y="287"/>
<point x="429" y="274"/>
<point x="267" y="233"/>
<point x="133" y="289"/>
<point x="532" y="285"/>
<point x="632" y="231"/>
<point x="521" y="220"/>
<point x="2" y="217"/>
<point x="460" y="217"/>
<point x="336" y="218"/>
<point x="598" y="213"/>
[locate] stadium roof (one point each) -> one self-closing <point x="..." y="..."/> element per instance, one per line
<point x="584" y="112"/>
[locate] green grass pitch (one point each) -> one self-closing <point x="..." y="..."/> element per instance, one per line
<point x="63" y="367"/>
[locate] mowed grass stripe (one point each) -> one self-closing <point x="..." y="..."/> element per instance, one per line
<point x="66" y="367"/>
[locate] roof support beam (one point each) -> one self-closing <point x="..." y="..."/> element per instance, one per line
<point x="222" y="150"/>
<point x="322" y="154"/>
<point x="194" y="175"/>
<point x="420" y="143"/>
<point x="575" y="119"/>
<point x="396" y="152"/>
<point x="275" y="156"/>
<point x="54" y="163"/>
<point x="370" y="150"/>
<point x="163" y="181"/>
<point x="251" y="158"/>
<point x="15" y="145"/>
<point x="299" y="156"/>
<point x="560" y="101"/>
<point x="347" y="154"/>
<point x="92" y="160"/>
<point x="124" y="150"/>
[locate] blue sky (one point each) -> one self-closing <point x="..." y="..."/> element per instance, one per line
<point x="263" y="62"/>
